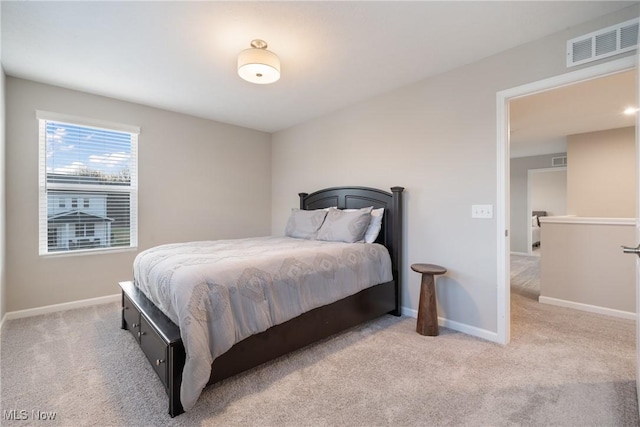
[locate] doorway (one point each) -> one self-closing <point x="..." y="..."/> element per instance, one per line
<point x="546" y="196"/>
<point x="503" y="149"/>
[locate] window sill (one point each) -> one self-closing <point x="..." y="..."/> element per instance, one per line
<point x="86" y="252"/>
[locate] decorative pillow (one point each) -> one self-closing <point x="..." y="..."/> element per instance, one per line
<point x="304" y="224"/>
<point x="343" y="226"/>
<point x="375" y="225"/>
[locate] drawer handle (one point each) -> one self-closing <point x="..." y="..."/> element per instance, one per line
<point x="141" y="333"/>
<point x="134" y="325"/>
<point x="159" y="361"/>
<point x="126" y="307"/>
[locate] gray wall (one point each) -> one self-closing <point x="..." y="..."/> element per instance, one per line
<point x="198" y="180"/>
<point x="549" y="191"/>
<point x="438" y="139"/>
<point x="520" y="221"/>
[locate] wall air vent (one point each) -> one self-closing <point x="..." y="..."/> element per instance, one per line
<point x="603" y="43"/>
<point x="559" y="161"/>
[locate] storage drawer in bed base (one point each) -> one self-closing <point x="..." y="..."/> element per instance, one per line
<point x="159" y="339"/>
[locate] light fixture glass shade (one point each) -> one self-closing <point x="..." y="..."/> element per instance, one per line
<point x="258" y="65"/>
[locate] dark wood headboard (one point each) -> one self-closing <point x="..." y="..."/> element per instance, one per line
<point x="362" y="197"/>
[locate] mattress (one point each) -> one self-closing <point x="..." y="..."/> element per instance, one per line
<point x="221" y="292"/>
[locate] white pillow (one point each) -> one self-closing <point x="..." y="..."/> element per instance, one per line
<point x="375" y="225"/>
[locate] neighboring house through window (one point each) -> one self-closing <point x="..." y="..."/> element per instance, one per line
<point x="88" y="184"/>
<point x="86" y="229"/>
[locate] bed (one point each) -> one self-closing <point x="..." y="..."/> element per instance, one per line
<point x="162" y="342"/>
<point x="535" y="227"/>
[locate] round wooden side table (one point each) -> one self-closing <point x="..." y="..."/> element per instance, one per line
<point x="427" y="308"/>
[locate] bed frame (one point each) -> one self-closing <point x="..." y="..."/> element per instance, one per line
<point x="160" y="339"/>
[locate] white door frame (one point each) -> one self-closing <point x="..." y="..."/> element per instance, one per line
<point x="529" y="191"/>
<point x="502" y="200"/>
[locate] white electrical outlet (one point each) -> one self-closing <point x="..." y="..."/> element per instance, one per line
<point x="482" y="211"/>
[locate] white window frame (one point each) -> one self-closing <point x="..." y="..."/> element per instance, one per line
<point x="132" y="189"/>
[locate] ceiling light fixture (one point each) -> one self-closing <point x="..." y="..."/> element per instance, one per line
<point x="258" y="65"/>
<point x="631" y="110"/>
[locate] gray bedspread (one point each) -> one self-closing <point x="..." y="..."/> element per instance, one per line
<point x="221" y="292"/>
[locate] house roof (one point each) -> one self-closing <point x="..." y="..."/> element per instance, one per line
<point x="333" y="54"/>
<point x="77" y="217"/>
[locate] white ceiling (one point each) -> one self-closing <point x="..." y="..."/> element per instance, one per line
<point x="181" y="56"/>
<point x="540" y="123"/>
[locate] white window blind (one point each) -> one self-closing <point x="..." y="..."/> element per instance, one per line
<point x="88" y="184"/>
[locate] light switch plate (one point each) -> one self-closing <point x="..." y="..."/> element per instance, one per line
<point x="482" y="211"/>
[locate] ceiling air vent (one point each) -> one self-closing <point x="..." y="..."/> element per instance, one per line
<point x="559" y="161"/>
<point x="603" y="43"/>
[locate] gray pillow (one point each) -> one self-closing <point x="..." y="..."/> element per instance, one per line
<point x="304" y="224"/>
<point x="343" y="226"/>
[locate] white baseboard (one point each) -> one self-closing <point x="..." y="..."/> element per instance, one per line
<point x="61" y="307"/>
<point x="410" y="312"/>
<point x="457" y="326"/>
<point x="586" y="307"/>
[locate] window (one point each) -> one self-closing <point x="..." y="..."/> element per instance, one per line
<point x="85" y="230"/>
<point x="53" y="237"/>
<point x="95" y="165"/>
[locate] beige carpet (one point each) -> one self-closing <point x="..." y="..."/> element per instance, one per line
<point x="563" y="368"/>
<point x="525" y="275"/>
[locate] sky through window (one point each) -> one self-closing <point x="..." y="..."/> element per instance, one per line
<point x="80" y="150"/>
